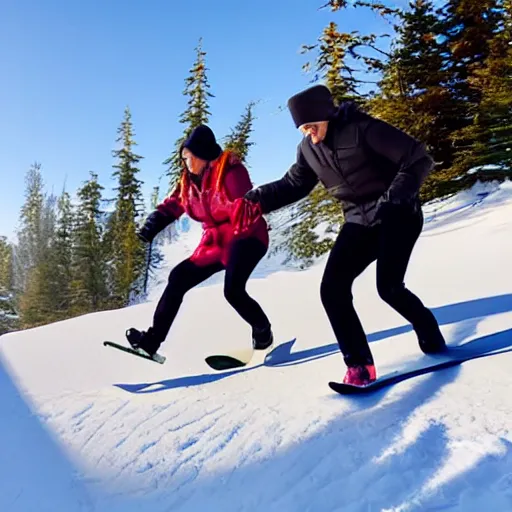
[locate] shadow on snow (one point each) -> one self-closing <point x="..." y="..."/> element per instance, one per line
<point x="363" y="459"/>
<point x="36" y="474"/>
<point x="453" y="313"/>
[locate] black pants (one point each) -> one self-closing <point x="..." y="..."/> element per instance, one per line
<point x="391" y="244"/>
<point x="244" y="256"/>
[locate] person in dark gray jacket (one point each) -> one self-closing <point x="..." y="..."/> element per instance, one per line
<point x="375" y="170"/>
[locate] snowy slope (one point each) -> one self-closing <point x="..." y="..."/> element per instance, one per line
<point x="86" y="428"/>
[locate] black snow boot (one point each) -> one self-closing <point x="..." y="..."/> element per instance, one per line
<point x="262" y="338"/>
<point x="143" y="340"/>
<point x="430" y="337"/>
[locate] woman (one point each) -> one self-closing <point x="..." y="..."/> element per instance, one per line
<point x="210" y="184"/>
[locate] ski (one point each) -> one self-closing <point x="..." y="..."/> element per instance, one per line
<point x="157" y="358"/>
<point x="397" y="376"/>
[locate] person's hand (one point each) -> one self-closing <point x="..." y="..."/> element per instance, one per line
<point x="245" y="215"/>
<point x="144" y="236"/>
<point x="389" y="208"/>
<point x="252" y="195"/>
<point x="155" y="222"/>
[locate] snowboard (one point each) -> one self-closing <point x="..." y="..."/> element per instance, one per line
<point x="271" y="356"/>
<point x="452" y="357"/>
<point x="157" y="358"/>
<point x="224" y="362"/>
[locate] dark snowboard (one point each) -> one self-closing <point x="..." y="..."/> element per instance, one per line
<point x="157" y="358"/>
<point x="275" y="356"/>
<point x="452" y="357"/>
<point x="223" y="362"/>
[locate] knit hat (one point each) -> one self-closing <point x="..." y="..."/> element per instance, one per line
<point x="312" y="105"/>
<point x="202" y="144"/>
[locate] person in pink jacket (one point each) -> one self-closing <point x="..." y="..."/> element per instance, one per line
<point x="210" y="191"/>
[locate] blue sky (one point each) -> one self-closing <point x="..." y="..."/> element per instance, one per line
<point x="70" y="68"/>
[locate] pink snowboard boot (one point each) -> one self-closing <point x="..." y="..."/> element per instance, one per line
<point x="360" y="375"/>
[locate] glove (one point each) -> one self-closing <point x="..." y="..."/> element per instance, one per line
<point x="388" y="207"/>
<point x="153" y="225"/>
<point x="253" y="195"/>
<point x="144" y="237"/>
<point x="245" y="215"/>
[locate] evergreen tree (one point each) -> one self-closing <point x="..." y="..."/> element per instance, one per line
<point x="340" y="53"/>
<point x="39" y="303"/>
<point x="8" y="314"/>
<point x="470" y="26"/>
<point x="487" y="141"/>
<point x="34" y="264"/>
<point x="126" y="253"/>
<point x="318" y="216"/>
<point x="63" y="249"/>
<point x="154" y="254"/>
<point x="332" y="63"/>
<point x="30" y="240"/>
<point x="88" y="288"/>
<point x="238" y="140"/>
<point x="346" y="63"/>
<point x="414" y="92"/>
<point x="197" y="111"/>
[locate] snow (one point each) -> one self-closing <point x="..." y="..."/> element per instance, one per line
<point x="88" y="428"/>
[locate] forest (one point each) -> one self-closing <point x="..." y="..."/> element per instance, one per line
<point x="443" y="74"/>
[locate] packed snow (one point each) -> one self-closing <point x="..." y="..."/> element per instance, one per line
<point x="89" y="428"/>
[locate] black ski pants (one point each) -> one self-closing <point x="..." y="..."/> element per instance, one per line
<point x="244" y="256"/>
<point x="390" y="243"/>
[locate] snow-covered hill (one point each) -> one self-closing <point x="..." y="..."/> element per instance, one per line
<point x="88" y="428"/>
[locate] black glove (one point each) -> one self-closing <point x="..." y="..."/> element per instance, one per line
<point x="253" y="195"/>
<point x="388" y="207"/>
<point x="153" y="225"/>
<point x="144" y="237"/>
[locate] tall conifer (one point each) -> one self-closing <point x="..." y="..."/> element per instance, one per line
<point x="197" y="91"/>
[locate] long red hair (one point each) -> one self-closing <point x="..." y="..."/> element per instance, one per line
<point x="214" y="178"/>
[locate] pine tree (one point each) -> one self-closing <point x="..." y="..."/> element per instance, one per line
<point x="238" y="140"/>
<point x="88" y="288"/>
<point x="40" y="300"/>
<point x="34" y="264"/>
<point x="334" y="50"/>
<point x="414" y="91"/>
<point x="487" y="141"/>
<point x="153" y="255"/>
<point x="63" y="249"/>
<point x="197" y="111"/>
<point x="340" y="53"/>
<point x="469" y="28"/>
<point x="126" y="253"/>
<point x="8" y="314"/>
<point x="319" y="216"/>
<point x="346" y="63"/>
<point x="30" y="241"/>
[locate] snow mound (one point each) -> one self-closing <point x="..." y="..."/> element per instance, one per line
<point x="88" y="428"/>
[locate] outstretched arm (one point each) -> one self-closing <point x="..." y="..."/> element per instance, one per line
<point x="296" y="184"/>
<point x="409" y="155"/>
<point x="166" y="212"/>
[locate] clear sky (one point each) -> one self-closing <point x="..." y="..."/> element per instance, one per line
<point x="69" y="68"/>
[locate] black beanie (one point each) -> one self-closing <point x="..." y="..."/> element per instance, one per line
<point x="202" y="144"/>
<point x="312" y="105"/>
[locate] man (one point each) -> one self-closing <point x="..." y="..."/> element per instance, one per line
<point x="375" y="170"/>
